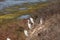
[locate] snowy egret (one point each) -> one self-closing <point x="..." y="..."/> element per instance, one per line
<point x="26" y="32"/>
<point x="29" y="25"/>
<point x="31" y="19"/>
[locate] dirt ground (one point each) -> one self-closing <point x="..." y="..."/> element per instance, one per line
<point x="50" y="30"/>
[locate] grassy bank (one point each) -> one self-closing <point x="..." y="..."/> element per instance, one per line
<point x="21" y="12"/>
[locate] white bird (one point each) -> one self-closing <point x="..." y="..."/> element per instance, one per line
<point x="31" y="19"/>
<point x="29" y="25"/>
<point x="8" y="39"/>
<point x="41" y="21"/>
<point x="26" y="32"/>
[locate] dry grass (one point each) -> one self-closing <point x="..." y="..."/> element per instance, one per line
<point x="50" y="30"/>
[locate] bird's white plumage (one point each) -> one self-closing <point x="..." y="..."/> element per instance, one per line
<point x="26" y="32"/>
<point x="8" y="39"/>
<point x="29" y="25"/>
<point x="41" y="21"/>
<point x="31" y="19"/>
